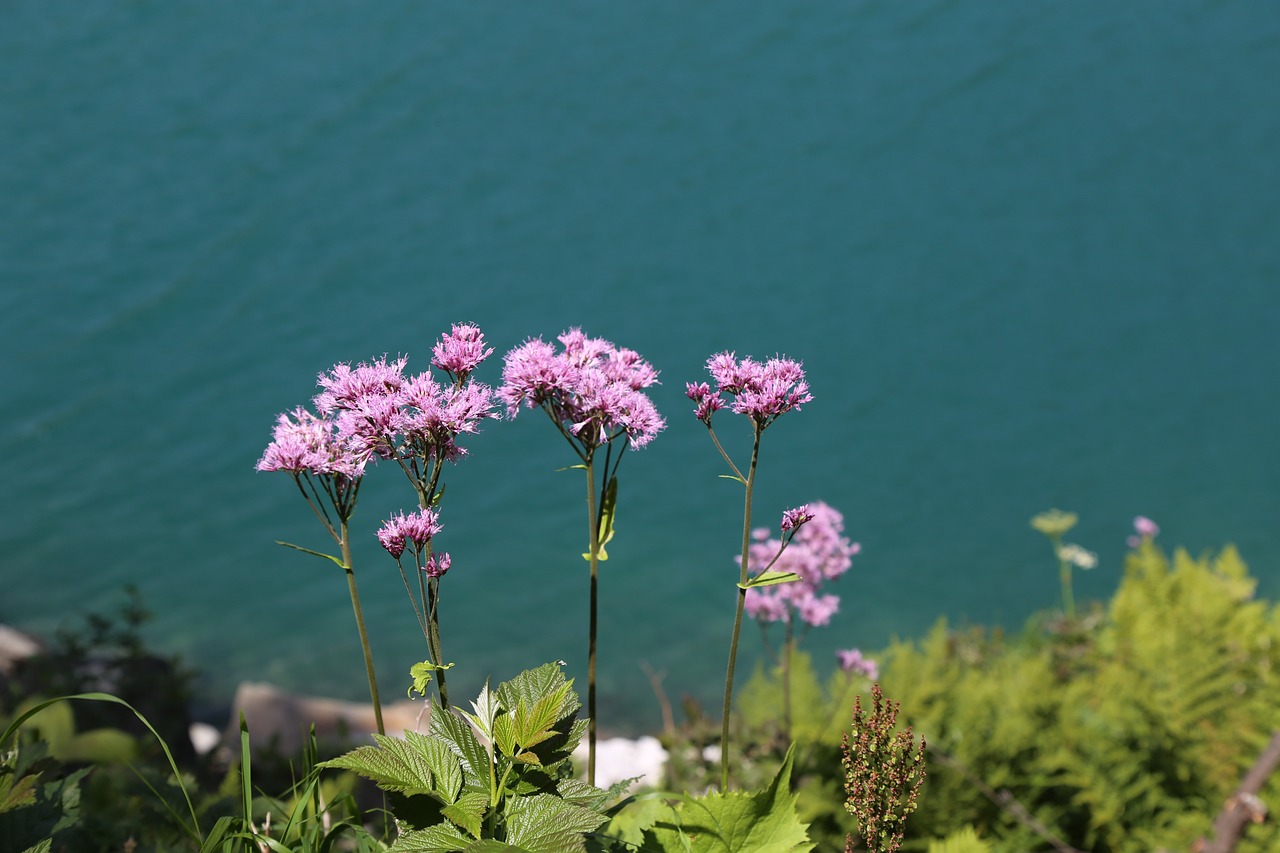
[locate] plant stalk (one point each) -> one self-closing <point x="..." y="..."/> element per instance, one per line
<point x="593" y="550"/>
<point x="345" y="542"/>
<point x="737" y="618"/>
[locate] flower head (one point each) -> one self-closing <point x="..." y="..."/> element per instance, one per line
<point x="1054" y="522"/>
<point x="793" y="518"/>
<point x="592" y="388"/>
<point x="816" y="552"/>
<point x="764" y="391"/>
<point x="302" y="443"/>
<point x="852" y="660"/>
<point x="460" y="350"/>
<point x="1145" y="527"/>
<point x="1077" y="556"/>
<point x="437" y="564"/>
<point x="417" y="528"/>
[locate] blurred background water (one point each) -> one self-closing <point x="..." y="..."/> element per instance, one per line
<point x="1027" y="252"/>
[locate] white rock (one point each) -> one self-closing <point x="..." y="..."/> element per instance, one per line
<point x="620" y="758"/>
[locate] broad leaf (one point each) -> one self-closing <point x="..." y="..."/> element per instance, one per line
<point x="469" y="811"/>
<point x="547" y="824"/>
<point x="417" y="765"/>
<point x="736" y="822"/>
<point x="460" y="738"/>
<point x="441" y="838"/>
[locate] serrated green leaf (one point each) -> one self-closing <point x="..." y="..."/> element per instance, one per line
<point x="736" y="821"/>
<point x="769" y="579"/>
<point x="461" y="739"/>
<point x="504" y="735"/>
<point x="469" y="811"/>
<point x="486" y="708"/>
<point x="416" y="765"/>
<point x="545" y="823"/>
<point x="15" y="793"/>
<point x="339" y="562"/>
<point x="533" y="724"/>
<point x="446" y="768"/>
<point x="441" y="838"/>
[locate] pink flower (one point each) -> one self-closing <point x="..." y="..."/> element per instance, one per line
<point x="817" y="551"/>
<point x="1145" y="527"/>
<point x="437" y="565"/>
<point x="851" y="660"/>
<point x="762" y="391"/>
<point x="307" y="444"/>
<point x="416" y="527"/>
<point x="460" y="350"/>
<point x="591" y="388"/>
<point x="794" y="518"/>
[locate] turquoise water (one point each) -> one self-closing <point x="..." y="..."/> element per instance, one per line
<point x="1027" y="252"/>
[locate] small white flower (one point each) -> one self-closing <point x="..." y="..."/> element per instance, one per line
<point x="1077" y="556"/>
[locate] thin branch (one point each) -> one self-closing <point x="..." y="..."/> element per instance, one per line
<point x="1244" y="806"/>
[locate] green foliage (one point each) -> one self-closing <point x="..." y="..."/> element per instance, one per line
<point x="495" y="779"/>
<point x="734" y="821"/>
<point x="1124" y="730"/>
<point x="961" y="841"/>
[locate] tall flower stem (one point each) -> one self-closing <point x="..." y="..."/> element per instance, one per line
<point x="433" y="638"/>
<point x="345" y="542"/>
<point x="787" y="647"/>
<point x="737" y="617"/>
<point x="593" y="550"/>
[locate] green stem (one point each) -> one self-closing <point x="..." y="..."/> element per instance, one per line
<point x="737" y="618"/>
<point x="593" y="549"/>
<point x="364" y="636"/>
<point x="787" y="648"/>
<point x="433" y="640"/>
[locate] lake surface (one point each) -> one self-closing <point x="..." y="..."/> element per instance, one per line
<point x="1028" y="253"/>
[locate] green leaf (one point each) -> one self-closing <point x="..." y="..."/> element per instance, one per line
<point x="458" y="736"/>
<point x="469" y="811"/>
<point x="769" y="579"/>
<point x="441" y="838"/>
<point x="486" y="711"/>
<point x="605" y="533"/>
<point x="421" y="674"/>
<point x="419" y="764"/>
<point x="545" y="823"/>
<point x="340" y="564"/>
<point x="736" y="821"/>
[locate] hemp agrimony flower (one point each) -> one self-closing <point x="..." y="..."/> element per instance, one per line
<point x="853" y="662"/>
<point x="592" y="392"/>
<point x="328" y="473"/>
<point x="764" y="392"/>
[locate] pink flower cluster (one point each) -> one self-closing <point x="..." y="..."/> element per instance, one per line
<point x="592" y="388"/>
<point x="302" y="443"/>
<point x="764" y="391"/>
<point x="1144" y="528"/>
<point x="852" y="661"/>
<point x="816" y="550"/>
<point x="415" y="532"/>
<point x="381" y="412"/>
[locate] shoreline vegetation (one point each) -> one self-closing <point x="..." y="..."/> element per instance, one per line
<point x="1144" y="722"/>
